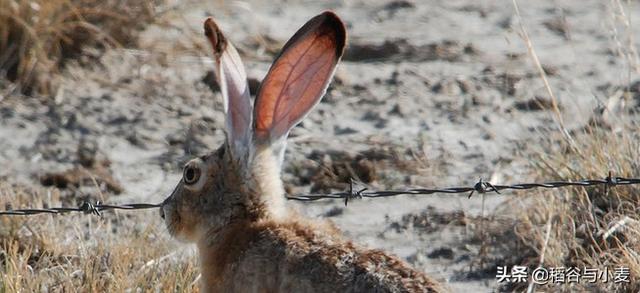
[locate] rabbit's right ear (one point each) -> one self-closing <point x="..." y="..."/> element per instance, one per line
<point x="298" y="78"/>
<point x="232" y="79"/>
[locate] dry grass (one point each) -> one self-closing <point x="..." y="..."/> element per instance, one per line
<point x="593" y="227"/>
<point x="38" y="36"/>
<point x="119" y="252"/>
<point x="579" y="227"/>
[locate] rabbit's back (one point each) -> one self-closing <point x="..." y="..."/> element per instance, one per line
<point x="303" y="257"/>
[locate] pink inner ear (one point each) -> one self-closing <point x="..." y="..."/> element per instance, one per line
<point x="299" y="77"/>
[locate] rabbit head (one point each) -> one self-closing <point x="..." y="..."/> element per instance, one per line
<point x="241" y="180"/>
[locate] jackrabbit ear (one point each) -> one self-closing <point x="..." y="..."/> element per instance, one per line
<point x="298" y="78"/>
<point x="232" y="79"/>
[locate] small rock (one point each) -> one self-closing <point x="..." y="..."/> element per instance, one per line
<point x="535" y="104"/>
<point x="399" y="109"/>
<point x="87" y="151"/>
<point x="359" y="87"/>
<point x="550" y="70"/>
<point x="465" y="86"/>
<point x="442" y="252"/>
<point x="508" y="83"/>
<point x="394" y="80"/>
<point x="337" y="130"/>
<point x="364" y="52"/>
<point x="559" y="26"/>
<point x="371" y="115"/>
<point x="395" y="5"/>
<point x="447" y="87"/>
<point x="175" y="139"/>
<point x="209" y="79"/>
<point x="335" y="211"/>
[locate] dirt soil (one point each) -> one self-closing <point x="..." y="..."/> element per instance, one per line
<point x="430" y="93"/>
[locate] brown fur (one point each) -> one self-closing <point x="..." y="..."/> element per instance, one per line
<point x="231" y="204"/>
<point x="304" y="259"/>
<point x="249" y="250"/>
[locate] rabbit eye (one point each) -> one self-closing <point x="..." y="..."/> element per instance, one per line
<point x="191" y="174"/>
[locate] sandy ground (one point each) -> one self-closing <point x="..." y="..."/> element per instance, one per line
<point x="443" y="91"/>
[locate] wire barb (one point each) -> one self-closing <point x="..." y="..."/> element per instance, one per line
<point x="89" y="208"/>
<point x="611" y="182"/>
<point x="352" y="193"/>
<point x="483" y="187"/>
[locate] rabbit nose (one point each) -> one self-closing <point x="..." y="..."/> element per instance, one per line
<point x="167" y="200"/>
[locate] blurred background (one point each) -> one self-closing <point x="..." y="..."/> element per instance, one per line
<point x="106" y="100"/>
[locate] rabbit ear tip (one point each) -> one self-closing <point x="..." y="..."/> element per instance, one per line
<point x="331" y="14"/>
<point x="215" y="36"/>
<point x="209" y="26"/>
<point x="332" y="21"/>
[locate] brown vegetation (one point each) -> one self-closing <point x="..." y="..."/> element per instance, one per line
<point x="38" y="36"/>
<point x="583" y="227"/>
<point x="78" y="253"/>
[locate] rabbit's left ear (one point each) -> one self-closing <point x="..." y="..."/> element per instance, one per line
<point x="298" y="78"/>
<point x="232" y="79"/>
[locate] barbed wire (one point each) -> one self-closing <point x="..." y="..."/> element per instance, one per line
<point x="480" y="187"/>
<point x="86" y="207"/>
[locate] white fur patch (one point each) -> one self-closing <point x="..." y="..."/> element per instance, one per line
<point x="266" y="173"/>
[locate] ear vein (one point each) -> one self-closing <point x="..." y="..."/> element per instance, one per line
<point x="286" y="81"/>
<point x="306" y="88"/>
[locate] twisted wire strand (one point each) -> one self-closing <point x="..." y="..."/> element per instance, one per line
<point x="85" y="207"/>
<point x="480" y="187"/>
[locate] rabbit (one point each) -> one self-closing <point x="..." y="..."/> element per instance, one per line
<point x="231" y="202"/>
